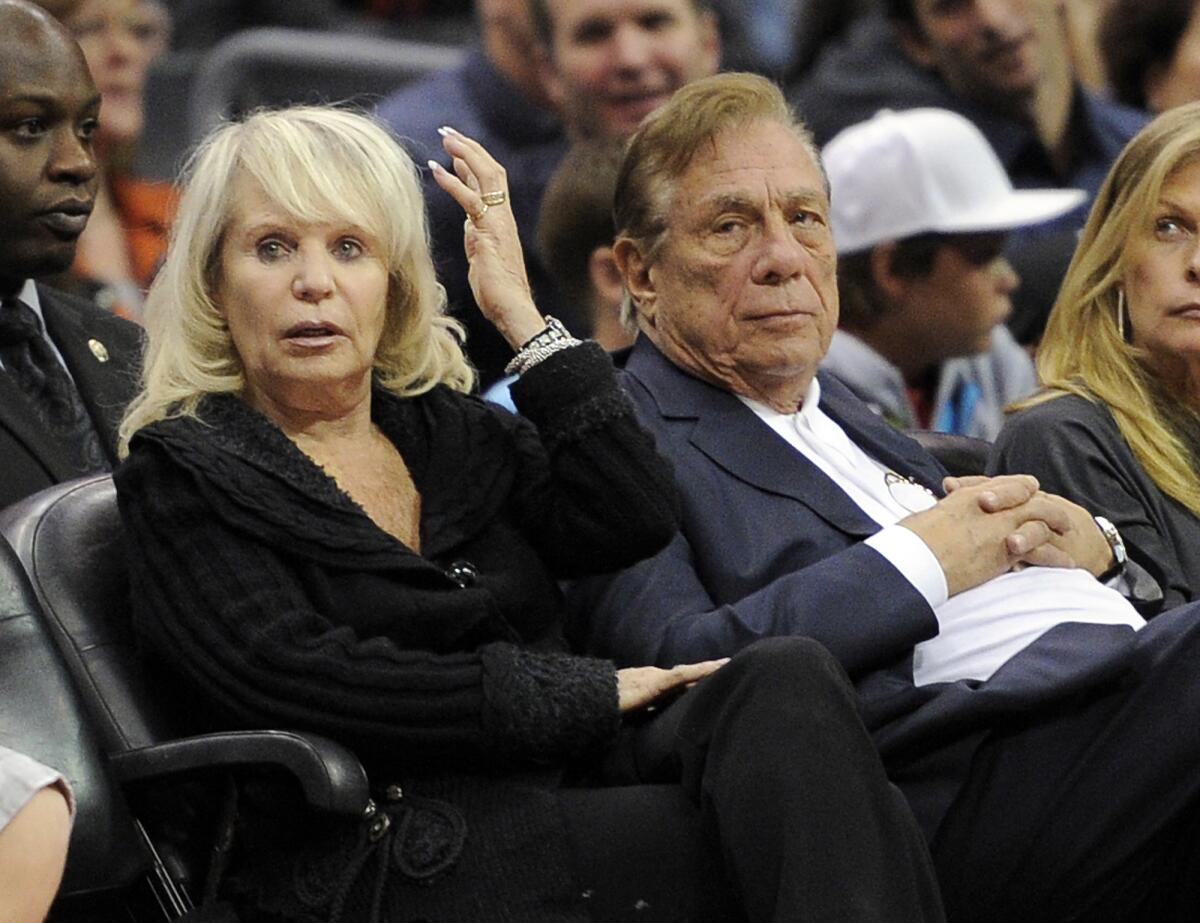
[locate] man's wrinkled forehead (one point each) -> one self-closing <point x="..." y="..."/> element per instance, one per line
<point x="707" y="161"/>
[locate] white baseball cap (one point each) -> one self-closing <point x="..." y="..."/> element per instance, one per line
<point x="905" y="173"/>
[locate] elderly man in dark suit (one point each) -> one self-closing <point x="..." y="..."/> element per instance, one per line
<point x="67" y="369"/>
<point x="1046" y="736"/>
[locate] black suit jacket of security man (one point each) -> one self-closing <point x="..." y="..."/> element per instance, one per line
<point x="103" y="354"/>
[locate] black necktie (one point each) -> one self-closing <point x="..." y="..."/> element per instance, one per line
<point x="30" y="362"/>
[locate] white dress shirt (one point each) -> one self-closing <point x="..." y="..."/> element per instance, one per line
<point x="980" y="628"/>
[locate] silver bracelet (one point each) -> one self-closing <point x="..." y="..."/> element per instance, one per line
<point x="550" y="340"/>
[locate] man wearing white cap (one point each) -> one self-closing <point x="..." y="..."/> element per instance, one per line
<point x="921" y="207"/>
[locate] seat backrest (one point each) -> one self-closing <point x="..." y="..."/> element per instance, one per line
<point x="959" y="455"/>
<point x="163" y="147"/>
<point x="68" y="537"/>
<point x="273" y="67"/>
<point x="42" y="715"/>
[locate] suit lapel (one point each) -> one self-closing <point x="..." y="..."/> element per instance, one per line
<point x="734" y="438"/>
<point x="877" y="438"/>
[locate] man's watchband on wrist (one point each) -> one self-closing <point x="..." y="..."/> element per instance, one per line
<point x="550" y="340"/>
<point x="1116" y="544"/>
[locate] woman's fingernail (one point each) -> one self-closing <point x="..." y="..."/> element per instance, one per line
<point x="435" y="166"/>
<point x="446" y="131"/>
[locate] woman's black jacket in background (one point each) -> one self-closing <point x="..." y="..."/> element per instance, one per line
<point x="278" y="603"/>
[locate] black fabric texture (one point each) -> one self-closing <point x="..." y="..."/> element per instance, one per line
<point x="30" y="362"/>
<point x="277" y="602"/>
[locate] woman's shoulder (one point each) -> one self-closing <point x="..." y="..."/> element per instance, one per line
<point x="1058" y="430"/>
<point x="227" y="444"/>
<point x="1056" y="411"/>
<point x="219" y="423"/>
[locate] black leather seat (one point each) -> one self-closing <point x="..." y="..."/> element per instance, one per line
<point x="959" y="455"/>
<point x="68" y="541"/>
<point x="42" y="715"/>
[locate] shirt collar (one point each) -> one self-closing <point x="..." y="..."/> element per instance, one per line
<point x="28" y="295"/>
<point x="807" y="411"/>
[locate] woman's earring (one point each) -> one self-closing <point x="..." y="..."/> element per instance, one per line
<point x="1122" y="325"/>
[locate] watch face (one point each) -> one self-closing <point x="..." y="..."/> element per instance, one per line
<point x="1113" y="537"/>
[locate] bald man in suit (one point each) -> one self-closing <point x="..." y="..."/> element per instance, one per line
<point x="48" y="112"/>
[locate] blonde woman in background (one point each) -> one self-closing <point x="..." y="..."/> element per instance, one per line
<point x="1116" y="427"/>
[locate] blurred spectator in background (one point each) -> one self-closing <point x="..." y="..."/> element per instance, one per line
<point x="761" y="35"/>
<point x="604" y="64"/>
<point x="781" y="39"/>
<point x="1005" y="65"/>
<point x="609" y="63"/>
<point x="495" y="96"/>
<point x="1081" y="21"/>
<point x="920" y="207"/>
<point x="126" y="236"/>
<point x="575" y="235"/>
<point x="1151" y="51"/>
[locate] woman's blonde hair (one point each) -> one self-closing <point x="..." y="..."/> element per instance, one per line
<point x="1083" y="351"/>
<point x="320" y="165"/>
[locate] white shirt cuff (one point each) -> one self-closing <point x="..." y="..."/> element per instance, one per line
<point x="1121" y="584"/>
<point x="907" y="552"/>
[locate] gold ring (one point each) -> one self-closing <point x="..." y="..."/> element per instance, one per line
<point x="478" y="216"/>
<point x="499" y="197"/>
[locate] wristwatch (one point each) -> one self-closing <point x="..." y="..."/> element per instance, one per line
<point x="1116" y="544"/>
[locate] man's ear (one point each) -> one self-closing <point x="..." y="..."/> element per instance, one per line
<point x="914" y="44"/>
<point x="635" y="270"/>
<point x="890" y="284"/>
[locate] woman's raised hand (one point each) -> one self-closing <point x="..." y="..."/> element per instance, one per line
<point x="638" y="687"/>
<point x="497" y="274"/>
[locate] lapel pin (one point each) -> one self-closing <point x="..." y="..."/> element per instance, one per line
<point x="98" y="350"/>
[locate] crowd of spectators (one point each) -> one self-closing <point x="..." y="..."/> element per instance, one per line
<point x="1056" y="89"/>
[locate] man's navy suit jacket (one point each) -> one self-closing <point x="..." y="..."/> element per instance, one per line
<point x="29" y="461"/>
<point x="770" y="545"/>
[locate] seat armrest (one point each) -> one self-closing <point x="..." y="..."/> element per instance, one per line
<point x="331" y="777"/>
